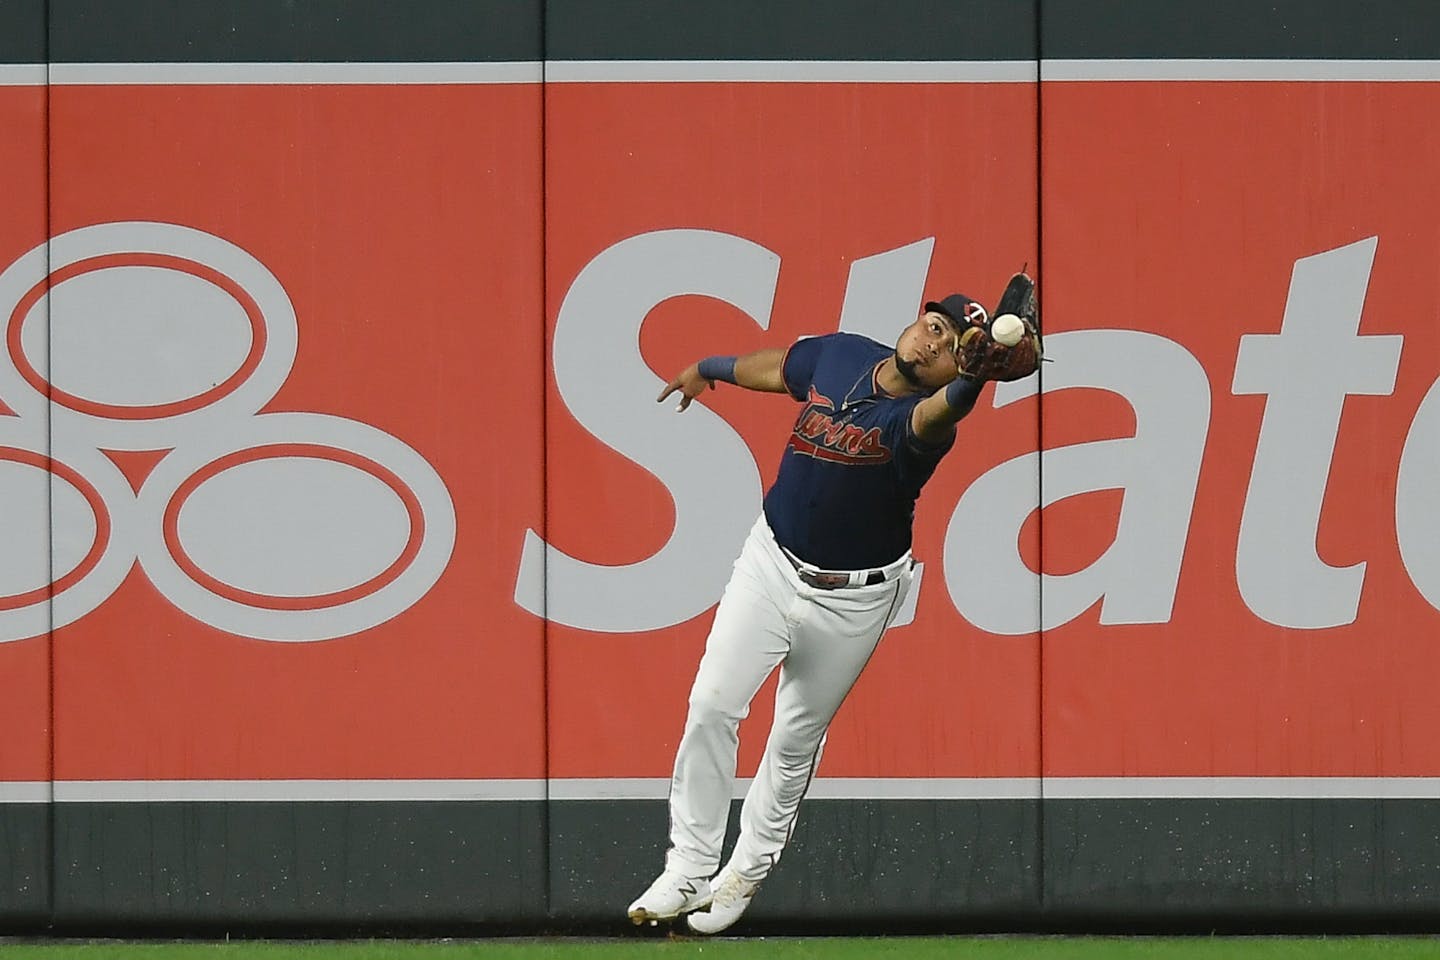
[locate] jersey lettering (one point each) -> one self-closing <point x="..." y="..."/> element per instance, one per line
<point x="820" y="435"/>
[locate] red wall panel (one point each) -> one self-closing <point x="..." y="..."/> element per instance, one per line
<point x="674" y="196"/>
<point x="24" y="529"/>
<point x="403" y="225"/>
<point x="1182" y="209"/>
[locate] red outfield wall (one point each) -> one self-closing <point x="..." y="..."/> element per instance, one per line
<point x="414" y="285"/>
<point x="24" y="447"/>
<point x="359" y="491"/>
<point x="1283" y="236"/>
<point x="421" y="245"/>
<point x="799" y="238"/>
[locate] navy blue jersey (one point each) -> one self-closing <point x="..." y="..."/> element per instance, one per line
<point x="844" y="498"/>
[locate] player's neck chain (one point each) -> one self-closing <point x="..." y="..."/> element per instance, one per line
<point x="850" y="394"/>
<point x="873" y="375"/>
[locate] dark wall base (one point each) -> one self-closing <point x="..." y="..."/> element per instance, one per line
<point x="298" y="865"/>
<point x="458" y="868"/>
<point x="1244" y="861"/>
<point x="24" y="865"/>
<point x="871" y="862"/>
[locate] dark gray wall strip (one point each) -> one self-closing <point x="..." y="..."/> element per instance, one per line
<point x="1226" y="862"/>
<point x="24" y="865"/>
<point x="765" y="30"/>
<point x="868" y="862"/>
<point x="284" y="31"/>
<point x="1242" y="29"/>
<point x="319" y="864"/>
<point x="462" y="31"/>
<point x="22" y="31"/>
<point x="1179" y="864"/>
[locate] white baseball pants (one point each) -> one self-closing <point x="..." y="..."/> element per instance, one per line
<point x="821" y="640"/>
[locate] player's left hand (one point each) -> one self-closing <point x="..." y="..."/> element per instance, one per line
<point x="689" y="384"/>
<point x="979" y="355"/>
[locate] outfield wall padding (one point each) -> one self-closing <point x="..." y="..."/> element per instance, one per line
<point x="369" y="580"/>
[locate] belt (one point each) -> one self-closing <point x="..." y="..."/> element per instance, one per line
<point x="840" y="579"/>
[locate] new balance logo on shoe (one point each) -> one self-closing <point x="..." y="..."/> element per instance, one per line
<point x="671" y="895"/>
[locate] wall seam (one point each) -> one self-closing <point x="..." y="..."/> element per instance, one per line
<point x="548" y="872"/>
<point x="51" y="857"/>
<point x="1040" y="455"/>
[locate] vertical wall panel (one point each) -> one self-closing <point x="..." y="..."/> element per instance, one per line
<point x="296" y="269"/>
<point x="749" y="154"/>
<point x="25" y="559"/>
<point x="1239" y="709"/>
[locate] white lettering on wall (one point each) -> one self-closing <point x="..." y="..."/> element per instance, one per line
<point x="610" y="390"/>
<point x="883" y="293"/>
<point x="1417" y="519"/>
<point x="1157" y="469"/>
<point x="1306" y="371"/>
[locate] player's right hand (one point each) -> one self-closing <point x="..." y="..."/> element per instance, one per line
<point x="689" y="384"/>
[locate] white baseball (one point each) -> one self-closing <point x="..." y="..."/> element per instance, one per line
<point x="1007" y="329"/>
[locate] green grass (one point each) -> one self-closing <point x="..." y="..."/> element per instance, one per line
<point x="852" y="948"/>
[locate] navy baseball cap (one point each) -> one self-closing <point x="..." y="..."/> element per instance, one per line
<point x="959" y="308"/>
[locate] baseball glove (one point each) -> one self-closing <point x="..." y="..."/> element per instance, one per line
<point x="981" y="357"/>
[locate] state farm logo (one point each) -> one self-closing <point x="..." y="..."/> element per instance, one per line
<point x="280" y="526"/>
<point x="1306" y="372"/>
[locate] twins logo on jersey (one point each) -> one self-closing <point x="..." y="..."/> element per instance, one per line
<point x="819" y="434"/>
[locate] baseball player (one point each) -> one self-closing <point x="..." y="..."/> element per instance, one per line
<point x="820" y="577"/>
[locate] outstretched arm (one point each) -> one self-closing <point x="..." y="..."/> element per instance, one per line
<point x="761" y="370"/>
<point x="933" y="419"/>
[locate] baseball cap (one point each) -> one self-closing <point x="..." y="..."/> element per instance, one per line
<point x="959" y="308"/>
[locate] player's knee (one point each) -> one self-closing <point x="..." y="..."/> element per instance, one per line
<point x="709" y="707"/>
<point x="796" y="758"/>
<point x="797" y="746"/>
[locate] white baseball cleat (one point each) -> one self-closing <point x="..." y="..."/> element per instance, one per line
<point x="732" y="894"/>
<point x="670" y="895"/>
